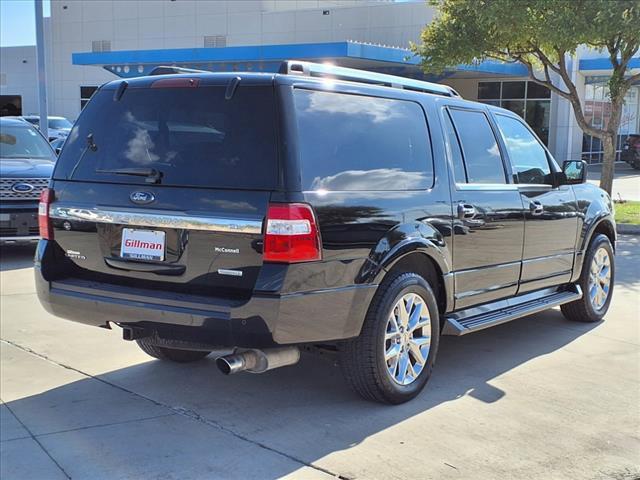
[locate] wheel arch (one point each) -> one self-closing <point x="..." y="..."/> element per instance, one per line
<point x="427" y="267"/>
<point x="605" y="226"/>
<point x="417" y="247"/>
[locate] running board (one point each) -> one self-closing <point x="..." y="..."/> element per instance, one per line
<point x="460" y="324"/>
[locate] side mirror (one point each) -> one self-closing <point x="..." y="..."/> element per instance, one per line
<point x="575" y="171"/>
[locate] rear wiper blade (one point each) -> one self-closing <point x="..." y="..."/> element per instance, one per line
<point x="91" y="146"/>
<point x="153" y="175"/>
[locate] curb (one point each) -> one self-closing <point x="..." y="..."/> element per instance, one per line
<point x="627" y="229"/>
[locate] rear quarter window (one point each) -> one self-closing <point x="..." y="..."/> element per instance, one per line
<point x="353" y="143"/>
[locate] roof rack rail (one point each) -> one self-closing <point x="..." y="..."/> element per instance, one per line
<point x="170" y="70"/>
<point x="309" y="69"/>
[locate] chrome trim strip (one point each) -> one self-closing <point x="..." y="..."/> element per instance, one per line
<point x="154" y="218"/>
<point x="30" y="238"/>
<point x="515" y="263"/>
<point x="548" y="257"/>
<point x="493" y="288"/>
<point x="534" y="187"/>
<point x="486" y="187"/>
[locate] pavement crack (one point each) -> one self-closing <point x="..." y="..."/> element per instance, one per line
<point x="176" y="410"/>
<point x="35" y="439"/>
<point x="102" y="425"/>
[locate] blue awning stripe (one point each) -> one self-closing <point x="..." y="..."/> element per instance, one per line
<point x="270" y="53"/>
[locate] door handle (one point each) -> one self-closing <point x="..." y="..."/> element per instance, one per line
<point x="466" y="211"/>
<point x="536" y="208"/>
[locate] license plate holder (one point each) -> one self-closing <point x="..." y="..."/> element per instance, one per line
<point x="142" y="244"/>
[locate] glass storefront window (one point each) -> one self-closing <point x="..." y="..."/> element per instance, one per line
<point x="489" y="90"/>
<point x="527" y="99"/>
<point x="516" y="106"/>
<point x="513" y="89"/>
<point x="597" y="111"/>
<point x="538" y="118"/>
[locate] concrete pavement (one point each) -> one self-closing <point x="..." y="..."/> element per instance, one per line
<point x="626" y="182"/>
<point x="538" y="398"/>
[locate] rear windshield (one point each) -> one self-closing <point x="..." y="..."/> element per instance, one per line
<point x="192" y="136"/>
<point x="351" y="142"/>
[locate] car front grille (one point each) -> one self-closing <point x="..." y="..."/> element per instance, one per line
<point x="8" y="190"/>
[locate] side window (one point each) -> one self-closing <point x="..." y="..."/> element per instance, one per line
<point x="456" y="153"/>
<point x="352" y="142"/>
<point x="482" y="157"/>
<point x="528" y="158"/>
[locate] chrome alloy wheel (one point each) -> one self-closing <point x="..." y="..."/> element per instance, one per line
<point x="599" y="278"/>
<point x="407" y="339"/>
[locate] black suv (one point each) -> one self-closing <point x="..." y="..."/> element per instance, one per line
<point x="254" y="214"/>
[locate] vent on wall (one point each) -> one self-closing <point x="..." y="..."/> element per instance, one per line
<point x="101" y="46"/>
<point x="215" y="41"/>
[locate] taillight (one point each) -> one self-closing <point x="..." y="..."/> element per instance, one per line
<point x="291" y="234"/>
<point x="44" y="222"/>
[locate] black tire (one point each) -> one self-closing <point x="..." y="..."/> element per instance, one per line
<point x="362" y="359"/>
<point x="582" y="310"/>
<point x="172" y="354"/>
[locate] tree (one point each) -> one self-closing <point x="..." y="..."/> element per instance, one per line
<point x="541" y="35"/>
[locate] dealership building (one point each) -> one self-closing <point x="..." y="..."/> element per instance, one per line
<point x="92" y="42"/>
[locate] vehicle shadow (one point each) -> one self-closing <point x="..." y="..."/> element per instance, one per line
<point x="16" y="257"/>
<point x="305" y="411"/>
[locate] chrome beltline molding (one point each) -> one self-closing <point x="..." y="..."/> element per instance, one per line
<point x="148" y="218"/>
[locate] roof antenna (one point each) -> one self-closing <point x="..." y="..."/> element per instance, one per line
<point x="231" y="88"/>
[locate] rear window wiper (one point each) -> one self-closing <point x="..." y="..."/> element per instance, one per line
<point x="91" y="145"/>
<point x="152" y="175"/>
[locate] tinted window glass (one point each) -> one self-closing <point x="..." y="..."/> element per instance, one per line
<point x="23" y="142"/>
<point x="538" y="112"/>
<point x="351" y="142"/>
<point x="516" y="106"/>
<point x="86" y="92"/>
<point x="535" y="90"/>
<point x="513" y="89"/>
<point x="192" y="135"/>
<point x="481" y="153"/>
<point x="528" y="158"/>
<point x="488" y="90"/>
<point x="456" y="153"/>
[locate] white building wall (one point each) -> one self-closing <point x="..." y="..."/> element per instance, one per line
<point x="18" y="68"/>
<point x="166" y="24"/>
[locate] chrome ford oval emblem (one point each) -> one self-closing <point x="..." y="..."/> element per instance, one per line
<point x="22" y="187"/>
<point x="142" y="198"/>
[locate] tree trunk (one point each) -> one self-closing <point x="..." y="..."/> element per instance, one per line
<point x="608" y="161"/>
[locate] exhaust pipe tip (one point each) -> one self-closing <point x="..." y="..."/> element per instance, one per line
<point x="230" y="364"/>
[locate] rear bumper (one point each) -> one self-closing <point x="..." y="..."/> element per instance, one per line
<point x="263" y="320"/>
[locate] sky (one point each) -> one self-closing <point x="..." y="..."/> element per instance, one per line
<point x="17" y="22"/>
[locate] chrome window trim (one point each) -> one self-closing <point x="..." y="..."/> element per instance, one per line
<point x="534" y="187"/>
<point x="486" y="186"/>
<point x="154" y="218"/>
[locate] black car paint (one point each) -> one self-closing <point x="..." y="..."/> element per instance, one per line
<point x="364" y="235"/>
